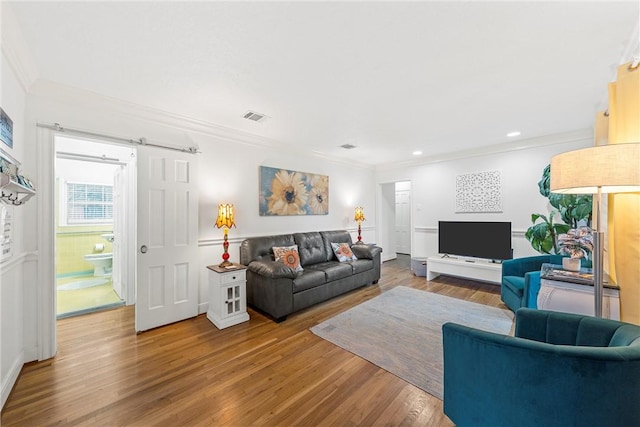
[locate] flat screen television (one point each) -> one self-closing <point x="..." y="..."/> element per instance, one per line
<point x="490" y="240"/>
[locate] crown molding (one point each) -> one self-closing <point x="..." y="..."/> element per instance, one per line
<point x="524" y="144"/>
<point x="15" y="48"/>
<point x="346" y="162"/>
<point x="65" y="94"/>
<point x="71" y="95"/>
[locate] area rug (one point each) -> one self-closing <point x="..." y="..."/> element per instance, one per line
<point x="400" y="331"/>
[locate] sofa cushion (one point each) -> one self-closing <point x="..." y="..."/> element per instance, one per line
<point x="343" y="252"/>
<point x="333" y="270"/>
<point x="288" y="255"/>
<point x="311" y="248"/>
<point x="335" y="236"/>
<point x="261" y="248"/>
<point x="308" y="279"/>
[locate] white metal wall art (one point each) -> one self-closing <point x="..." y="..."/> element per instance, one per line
<point x="479" y="192"/>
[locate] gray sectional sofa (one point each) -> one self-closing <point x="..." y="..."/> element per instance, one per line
<point x="279" y="290"/>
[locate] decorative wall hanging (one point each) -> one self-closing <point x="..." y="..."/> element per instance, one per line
<point x="285" y="192"/>
<point x="6" y="232"/>
<point x="479" y="192"/>
<point x="6" y="129"/>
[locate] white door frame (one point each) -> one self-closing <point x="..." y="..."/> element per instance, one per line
<point x="386" y="216"/>
<point x="45" y="345"/>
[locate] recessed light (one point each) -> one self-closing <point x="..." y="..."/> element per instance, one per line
<point x="417" y="153"/>
<point x="512" y="134"/>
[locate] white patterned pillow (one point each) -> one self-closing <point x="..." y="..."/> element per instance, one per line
<point x="343" y="252"/>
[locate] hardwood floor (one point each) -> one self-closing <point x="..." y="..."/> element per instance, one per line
<point x="255" y="373"/>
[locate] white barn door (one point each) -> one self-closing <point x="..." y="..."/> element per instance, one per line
<point x="167" y="277"/>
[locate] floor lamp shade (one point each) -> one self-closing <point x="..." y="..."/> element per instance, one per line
<point x="613" y="168"/>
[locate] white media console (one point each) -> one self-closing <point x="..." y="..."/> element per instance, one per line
<point x="480" y="270"/>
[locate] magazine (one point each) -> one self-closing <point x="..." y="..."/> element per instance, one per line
<point x="556" y="272"/>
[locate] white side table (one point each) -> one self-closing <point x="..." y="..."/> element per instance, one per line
<point x="227" y="295"/>
<point x="577" y="298"/>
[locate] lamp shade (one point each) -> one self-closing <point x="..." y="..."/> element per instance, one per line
<point x="225" y="216"/>
<point x="359" y="216"/>
<point x="613" y="168"/>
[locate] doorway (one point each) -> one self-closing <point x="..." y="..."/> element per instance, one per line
<point x="394" y="211"/>
<point x="92" y="187"/>
<point x="403" y="217"/>
<point x="142" y="153"/>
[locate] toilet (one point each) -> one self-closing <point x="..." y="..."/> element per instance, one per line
<point x="102" y="263"/>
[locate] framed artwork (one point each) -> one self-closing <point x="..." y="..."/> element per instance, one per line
<point x="479" y="192"/>
<point x="284" y="192"/>
<point x="6" y="129"/>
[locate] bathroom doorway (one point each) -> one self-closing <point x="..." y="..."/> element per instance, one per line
<point x="92" y="185"/>
<point x="394" y="213"/>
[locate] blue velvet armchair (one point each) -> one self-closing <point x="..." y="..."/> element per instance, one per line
<point x="521" y="280"/>
<point x="559" y="369"/>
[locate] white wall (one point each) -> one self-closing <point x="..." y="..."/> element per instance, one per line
<point x="228" y="168"/>
<point x="433" y="189"/>
<point x="17" y="269"/>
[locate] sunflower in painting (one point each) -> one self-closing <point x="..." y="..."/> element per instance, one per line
<point x="319" y="194"/>
<point x="288" y="194"/>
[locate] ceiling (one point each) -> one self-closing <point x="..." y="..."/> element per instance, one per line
<point x="388" y="77"/>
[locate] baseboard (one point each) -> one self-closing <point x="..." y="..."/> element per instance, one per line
<point x="30" y="355"/>
<point x="203" y="307"/>
<point x="12" y="377"/>
<point x="388" y="256"/>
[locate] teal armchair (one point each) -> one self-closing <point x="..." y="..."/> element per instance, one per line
<point x="559" y="369"/>
<point x="521" y="280"/>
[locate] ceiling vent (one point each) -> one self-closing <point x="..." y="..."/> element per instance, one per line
<point x="348" y="146"/>
<point x="256" y="117"/>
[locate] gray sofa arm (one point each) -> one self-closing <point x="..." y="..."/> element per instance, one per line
<point x="366" y="251"/>
<point x="272" y="269"/>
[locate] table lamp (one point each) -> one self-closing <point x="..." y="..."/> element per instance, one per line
<point x="225" y="221"/>
<point x="613" y="168"/>
<point x="359" y="217"/>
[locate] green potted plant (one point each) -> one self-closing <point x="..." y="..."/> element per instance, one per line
<point x="578" y="244"/>
<point x="573" y="209"/>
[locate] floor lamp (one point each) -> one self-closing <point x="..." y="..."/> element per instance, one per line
<point x="613" y="168"/>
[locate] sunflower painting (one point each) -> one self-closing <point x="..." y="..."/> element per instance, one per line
<point x="285" y="192"/>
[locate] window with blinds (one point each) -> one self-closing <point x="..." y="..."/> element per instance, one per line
<point x="89" y="203"/>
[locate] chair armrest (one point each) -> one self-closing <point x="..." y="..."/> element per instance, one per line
<point x="366" y="251"/>
<point x="272" y="269"/>
<point x="531" y="289"/>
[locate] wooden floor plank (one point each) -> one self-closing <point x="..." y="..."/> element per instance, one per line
<point x="255" y="373"/>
